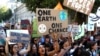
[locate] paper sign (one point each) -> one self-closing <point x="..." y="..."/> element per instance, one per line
<point x="69" y="28"/>
<point x="92" y="18"/>
<point x="75" y="28"/>
<point x="2" y="36"/>
<point x="18" y="36"/>
<point x="98" y="23"/>
<point x="83" y="6"/>
<point x="90" y="27"/>
<point x="80" y="33"/>
<point x="50" y="20"/>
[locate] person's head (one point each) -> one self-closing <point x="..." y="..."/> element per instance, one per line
<point x="14" y="49"/>
<point x="47" y="47"/>
<point x="20" y="45"/>
<point x="41" y="50"/>
<point x="78" y="52"/>
<point x="66" y="44"/>
<point x="93" y="45"/>
<point x="34" y="48"/>
<point x="47" y="38"/>
<point x="35" y="40"/>
<point x="2" y="49"/>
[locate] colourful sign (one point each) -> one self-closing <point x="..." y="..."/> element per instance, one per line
<point x="51" y="20"/>
<point x="2" y="36"/>
<point x="80" y="33"/>
<point x="35" y="28"/>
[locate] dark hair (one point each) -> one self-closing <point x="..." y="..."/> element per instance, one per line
<point x="30" y="52"/>
<point x="82" y="52"/>
<point x="47" y="37"/>
<point x="45" y="51"/>
<point x="11" y="49"/>
<point x="91" y="43"/>
<point x="2" y="51"/>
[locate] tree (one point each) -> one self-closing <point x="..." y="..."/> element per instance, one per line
<point x="5" y="13"/>
<point x="33" y="4"/>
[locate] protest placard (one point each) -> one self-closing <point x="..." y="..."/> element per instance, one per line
<point x="2" y="36"/>
<point x="18" y="36"/>
<point x="50" y="20"/>
<point x="83" y="6"/>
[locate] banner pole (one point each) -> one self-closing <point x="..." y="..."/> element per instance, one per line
<point x="75" y="15"/>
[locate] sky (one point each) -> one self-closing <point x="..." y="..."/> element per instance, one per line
<point x="3" y="2"/>
<point x="9" y="3"/>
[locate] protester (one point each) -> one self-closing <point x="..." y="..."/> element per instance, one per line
<point x="54" y="44"/>
<point x="14" y="50"/>
<point x="93" y="48"/>
<point x="4" y="50"/>
<point x="23" y="50"/>
<point x="33" y="51"/>
<point x="41" y="51"/>
<point x="64" y="51"/>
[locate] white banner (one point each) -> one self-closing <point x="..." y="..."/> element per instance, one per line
<point x="98" y="23"/>
<point x="18" y="36"/>
<point x="90" y="27"/>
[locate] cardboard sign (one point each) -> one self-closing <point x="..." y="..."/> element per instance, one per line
<point x="18" y="36"/>
<point x="2" y="36"/>
<point x="83" y="6"/>
<point x="50" y="20"/>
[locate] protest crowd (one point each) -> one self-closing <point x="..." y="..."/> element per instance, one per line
<point x="56" y="38"/>
<point x="54" y="44"/>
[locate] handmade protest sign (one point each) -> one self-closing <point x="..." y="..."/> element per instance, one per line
<point x="50" y="20"/>
<point x="2" y="36"/>
<point x="83" y="6"/>
<point x="18" y="36"/>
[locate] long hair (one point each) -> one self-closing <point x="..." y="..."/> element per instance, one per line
<point x="11" y="49"/>
<point x="91" y="44"/>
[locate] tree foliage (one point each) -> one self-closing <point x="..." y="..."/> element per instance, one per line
<point x="5" y="13"/>
<point x="33" y="4"/>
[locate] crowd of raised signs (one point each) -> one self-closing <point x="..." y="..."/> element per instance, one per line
<point x="53" y="44"/>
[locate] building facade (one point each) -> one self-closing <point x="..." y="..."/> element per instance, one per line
<point x="22" y="13"/>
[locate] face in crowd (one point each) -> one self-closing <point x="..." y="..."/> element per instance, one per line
<point x="35" y="40"/>
<point x="34" y="48"/>
<point x="94" y="46"/>
<point x="15" y="48"/>
<point x="41" y="50"/>
<point x="1" y="49"/>
<point x="66" y="44"/>
<point x="20" y="46"/>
